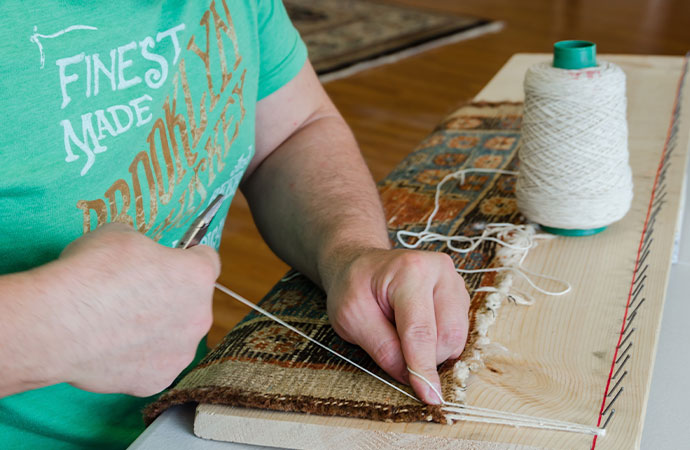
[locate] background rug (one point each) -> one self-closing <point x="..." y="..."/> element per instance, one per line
<point x="262" y="364"/>
<point x="346" y="36"/>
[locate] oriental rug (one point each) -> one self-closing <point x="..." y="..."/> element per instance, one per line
<point x="261" y="364"/>
<point x="346" y="36"/>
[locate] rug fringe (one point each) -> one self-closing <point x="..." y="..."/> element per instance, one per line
<point x="485" y="318"/>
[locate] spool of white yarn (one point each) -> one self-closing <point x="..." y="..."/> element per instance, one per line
<point x="574" y="171"/>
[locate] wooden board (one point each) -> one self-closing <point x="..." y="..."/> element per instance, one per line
<point x="562" y="352"/>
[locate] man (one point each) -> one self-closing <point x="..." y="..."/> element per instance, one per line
<point x="140" y="114"/>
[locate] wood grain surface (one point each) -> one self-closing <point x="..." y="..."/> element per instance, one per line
<point x="561" y="351"/>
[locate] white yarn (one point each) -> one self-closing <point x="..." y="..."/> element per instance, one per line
<point x="515" y="240"/>
<point x="459" y="411"/>
<point x="574" y="170"/>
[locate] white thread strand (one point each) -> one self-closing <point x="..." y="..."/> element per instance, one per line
<point x="456" y="411"/>
<point x="524" y="274"/>
<point x="290" y="277"/>
<point x="518" y="238"/>
<point x="574" y="170"/>
<point x="427" y="236"/>
<point x="476" y="414"/>
<point x="259" y="309"/>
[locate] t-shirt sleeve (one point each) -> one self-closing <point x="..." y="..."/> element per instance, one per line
<point x="282" y="50"/>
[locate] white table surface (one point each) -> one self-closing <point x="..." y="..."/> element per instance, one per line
<point x="667" y="421"/>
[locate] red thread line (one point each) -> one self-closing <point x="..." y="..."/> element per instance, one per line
<point x="639" y="248"/>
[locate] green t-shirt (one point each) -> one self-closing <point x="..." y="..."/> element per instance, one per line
<point x="133" y="111"/>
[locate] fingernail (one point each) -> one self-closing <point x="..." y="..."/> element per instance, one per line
<point x="432" y="395"/>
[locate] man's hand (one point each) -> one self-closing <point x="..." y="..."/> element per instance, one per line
<point x="135" y="317"/>
<point x="405" y="308"/>
<point x="313" y="198"/>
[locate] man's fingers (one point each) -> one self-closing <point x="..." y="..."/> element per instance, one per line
<point x="451" y="303"/>
<point x="383" y="346"/>
<point x="377" y="336"/>
<point x="416" y="323"/>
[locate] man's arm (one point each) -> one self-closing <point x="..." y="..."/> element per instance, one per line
<point x="113" y="314"/>
<point x="316" y="205"/>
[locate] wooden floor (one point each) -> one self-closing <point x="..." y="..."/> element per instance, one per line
<point x="392" y="108"/>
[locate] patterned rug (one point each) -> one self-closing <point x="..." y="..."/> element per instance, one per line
<point x="341" y="33"/>
<point x="261" y="364"/>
